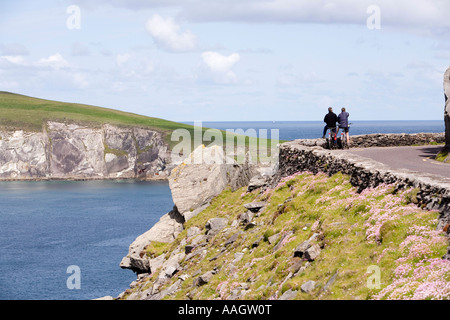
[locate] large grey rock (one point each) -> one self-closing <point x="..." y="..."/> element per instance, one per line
<point x="288" y="295"/>
<point x="165" y="230"/>
<point x="300" y="250"/>
<point x="313" y="252"/>
<point x="203" y="175"/>
<point x="204" y="278"/>
<point x="214" y="225"/>
<point x="255" y="206"/>
<point x="447" y="107"/>
<point x="308" y="286"/>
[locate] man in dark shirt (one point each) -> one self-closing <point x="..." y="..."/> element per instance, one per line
<point x="330" y="120"/>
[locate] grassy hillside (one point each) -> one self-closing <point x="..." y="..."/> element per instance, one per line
<point x="373" y="245"/>
<point x="29" y="114"/>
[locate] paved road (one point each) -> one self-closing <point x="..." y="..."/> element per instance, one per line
<point x="411" y="158"/>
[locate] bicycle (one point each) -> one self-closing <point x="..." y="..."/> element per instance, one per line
<point x="332" y="138"/>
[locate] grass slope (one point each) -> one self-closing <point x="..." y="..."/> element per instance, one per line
<point x="29" y="114"/>
<point x="359" y="234"/>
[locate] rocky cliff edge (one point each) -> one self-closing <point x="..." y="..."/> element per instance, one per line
<point x="72" y="151"/>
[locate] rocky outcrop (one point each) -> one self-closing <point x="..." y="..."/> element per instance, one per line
<point x="165" y="230"/>
<point x="447" y="107"/>
<point x="72" y="151"/>
<point x="203" y="175"/>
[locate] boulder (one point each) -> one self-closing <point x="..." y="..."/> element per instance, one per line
<point x="308" y="286"/>
<point x="301" y="249"/>
<point x="204" y="278"/>
<point x="203" y="175"/>
<point x="255" y="206"/>
<point x="256" y="182"/>
<point x="447" y="107"/>
<point x="165" y="230"/>
<point x="313" y="252"/>
<point x="288" y="295"/>
<point x="214" y="225"/>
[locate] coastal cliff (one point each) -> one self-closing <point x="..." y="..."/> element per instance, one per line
<point x="303" y="233"/>
<point x="73" y="151"/>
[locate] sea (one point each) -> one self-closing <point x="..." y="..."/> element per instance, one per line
<point x="64" y="240"/>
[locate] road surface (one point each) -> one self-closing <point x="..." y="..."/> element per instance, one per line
<point x="411" y="158"/>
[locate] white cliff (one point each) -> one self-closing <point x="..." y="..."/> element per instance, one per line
<point x="72" y="151"/>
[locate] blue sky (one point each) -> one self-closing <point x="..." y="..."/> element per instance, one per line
<point x="231" y="60"/>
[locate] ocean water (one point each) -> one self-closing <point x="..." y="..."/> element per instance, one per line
<point x="47" y="227"/>
<point x="291" y="130"/>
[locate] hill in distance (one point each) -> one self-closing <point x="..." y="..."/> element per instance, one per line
<point x="20" y="112"/>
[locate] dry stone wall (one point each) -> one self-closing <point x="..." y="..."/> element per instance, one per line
<point x="433" y="191"/>
<point x="382" y="140"/>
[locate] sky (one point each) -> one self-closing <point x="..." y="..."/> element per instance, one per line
<point x="231" y="60"/>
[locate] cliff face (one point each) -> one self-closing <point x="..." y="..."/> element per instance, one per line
<point x="71" y="151"/>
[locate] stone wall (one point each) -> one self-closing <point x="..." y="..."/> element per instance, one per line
<point x="382" y="140"/>
<point x="433" y="191"/>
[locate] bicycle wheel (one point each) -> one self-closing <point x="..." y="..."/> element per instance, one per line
<point x="343" y="142"/>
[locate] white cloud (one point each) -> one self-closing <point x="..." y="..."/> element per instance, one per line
<point x="219" y="66"/>
<point x="168" y="36"/>
<point x="55" y="61"/>
<point x="122" y="59"/>
<point x="80" y="81"/>
<point x="405" y="13"/>
<point x="17" y="60"/>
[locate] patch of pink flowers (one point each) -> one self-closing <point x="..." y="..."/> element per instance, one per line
<point x="428" y="281"/>
<point x="429" y="278"/>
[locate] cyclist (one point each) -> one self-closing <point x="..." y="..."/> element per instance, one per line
<point x="343" y="124"/>
<point x="330" y="119"/>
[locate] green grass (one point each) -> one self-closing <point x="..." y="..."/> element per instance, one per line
<point x="20" y="112"/>
<point x="443" y="156"/>
<point x="347" y="223"/>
